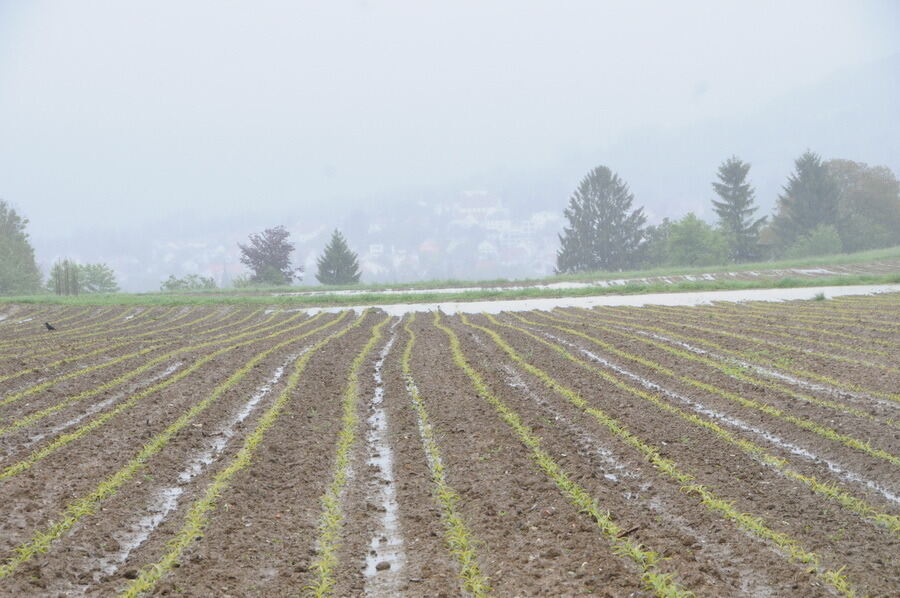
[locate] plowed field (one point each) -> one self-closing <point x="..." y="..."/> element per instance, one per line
<point x="745" y="449"/>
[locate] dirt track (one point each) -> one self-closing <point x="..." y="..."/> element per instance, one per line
<point x="128" y="426"/>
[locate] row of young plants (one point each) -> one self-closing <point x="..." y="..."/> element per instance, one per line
<point x="122" y="379"/>
<point x="115" y="329"/>
<point x="827" y="320"/>
<point x="459" y="538"/>
<point x="751" y="523"/>
<point x="331" y="519"/>
<point x="95" y="327"/>
<point x="88" y="504"/>
<point x="101" y="419"/>
<point x="743" y="371"/>
<point x="763" y="356"/>
<point x="747" y="402"/>
<point x="200" y="511"/>
<point x="14" y="319"/>
<point x="764" y="322"/>
<point x="165" y="333"/>
<point x="49" y="344"/>
<point x="726" y="327"/>
<point x="647" y="561"/>
<point x="831" y="491"/>
<point x="56" y="348"/>
<point x="35" y="388"/>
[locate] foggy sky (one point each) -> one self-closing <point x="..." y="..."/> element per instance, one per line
<point x="115" y="112"/>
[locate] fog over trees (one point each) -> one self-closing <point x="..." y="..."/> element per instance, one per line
<point x="444" y="141"/>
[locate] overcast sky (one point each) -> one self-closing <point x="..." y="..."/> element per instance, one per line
<point x="111" y="112"/>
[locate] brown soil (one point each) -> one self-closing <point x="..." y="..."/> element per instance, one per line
<point x="530" y="540"/>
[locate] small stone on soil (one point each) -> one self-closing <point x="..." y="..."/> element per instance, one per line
<point x="382" y="566"/>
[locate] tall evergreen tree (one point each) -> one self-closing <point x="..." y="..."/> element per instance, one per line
<point x="810" y="200"/>
<point x="19" y="272"/>
<point x="337" y="264"/>
<point x="604" y="233"/>
<point x="736" y="209"/>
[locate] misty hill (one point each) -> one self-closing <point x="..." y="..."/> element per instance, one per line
<point x="851" y="114"/>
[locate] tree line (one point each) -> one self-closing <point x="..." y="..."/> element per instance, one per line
<point x="825" y="207"/>
<point x="20" y="274"/>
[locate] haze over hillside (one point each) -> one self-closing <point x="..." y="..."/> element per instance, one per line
<point x="155" y="144"/>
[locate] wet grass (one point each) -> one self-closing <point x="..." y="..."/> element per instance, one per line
<point x="438" y="295"/>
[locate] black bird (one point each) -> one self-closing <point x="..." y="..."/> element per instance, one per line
<point x="49" y="326"/>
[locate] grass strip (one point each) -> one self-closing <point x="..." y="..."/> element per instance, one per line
<point x="662" y="584"/>
<point x="457" y="535"/>
<point x="748" y="522"/>
<point x="374" y="297"/>
<point x="749" y="403"/>
<point x="198" y="514"/>
<point x="331" y="520"/>
<point x="830" y="491"/>
<point x="63" y="440"/>
<point x="758" y="357"/>
<point x="87" y="505"/>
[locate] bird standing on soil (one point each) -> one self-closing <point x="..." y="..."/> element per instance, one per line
<point x="49" y="326"/>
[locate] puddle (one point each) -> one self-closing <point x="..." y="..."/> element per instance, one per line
<point x="666" y="299"/>
<point x="734" y="422"/>
<point x="96" y="407"/>
<point x="386" y="545"/>
<point x="766" y="372"/>
<point x="166" y="500"/>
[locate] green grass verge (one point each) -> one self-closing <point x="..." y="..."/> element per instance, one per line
<point x="437" y="295"/>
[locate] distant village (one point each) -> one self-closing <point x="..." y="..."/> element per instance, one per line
<point x="477" y="235"/>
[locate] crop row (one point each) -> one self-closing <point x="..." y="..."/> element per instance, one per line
<point x="732" y="367"/>
<point x="762" y="356"/>
<point x="87" y="505"/>
<point x="848" y="501"/>
<point x="731" y="370"/>
<point x="456" y="533"/>
<point x="233" y="329"/>
<point x="120" y="407"/>
<point x="746" y="521"/>
<point x="725" y="328"/>
<point x="200" y="511"/>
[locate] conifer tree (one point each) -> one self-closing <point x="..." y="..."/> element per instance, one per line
<point x="810" y="200"/>
<point x="735" y="210"/>
<point x="603" y="233"/>
<point x="19" y="272"/>
<point x="337" y="264"/>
